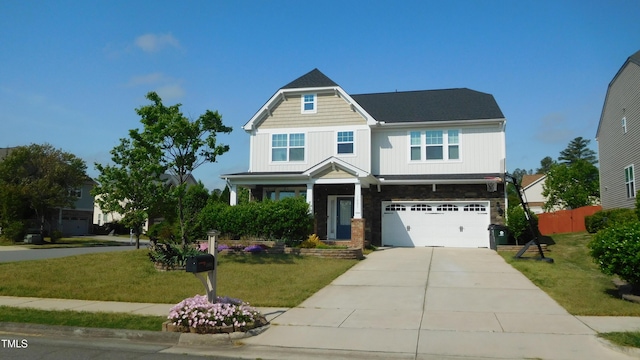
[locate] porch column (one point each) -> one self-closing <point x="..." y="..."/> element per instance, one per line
<point x="233" y="195"/>
<point x="357" y="201"/>
<point x="310" y="197"/>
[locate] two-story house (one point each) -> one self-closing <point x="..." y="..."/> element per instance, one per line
<point x="415" y="168"/>
<point x="618" y="137"/>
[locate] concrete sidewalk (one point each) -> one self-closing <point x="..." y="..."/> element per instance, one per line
<point x="419" y="303"/>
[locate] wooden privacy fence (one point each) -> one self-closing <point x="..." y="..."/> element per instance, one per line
<point x="565" y="221"/>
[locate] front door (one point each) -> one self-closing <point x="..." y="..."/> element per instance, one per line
<point x="344" y="216"/>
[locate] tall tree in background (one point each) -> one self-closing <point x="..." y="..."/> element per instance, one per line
<point x="41" y="178"/>
<point x="130" y="187"/>
<point x="578" y="149"/>
<point x="181" y="144"/>
<point x="545" y="165"/>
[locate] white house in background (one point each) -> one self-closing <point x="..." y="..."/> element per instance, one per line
<point x="412" y="168"/>
<point x="101" y="217"/>
<point x="532" y="188"/>
<point x="618" y="137"/>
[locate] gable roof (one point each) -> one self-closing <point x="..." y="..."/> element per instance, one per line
<point x="528" y="180"/>
<point x="430" y="105"/>
<point x="635" y="59"/>
<point x="312" y="79"/>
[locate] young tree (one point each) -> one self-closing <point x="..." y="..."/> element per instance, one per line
<point x="43" y="177"/>
<point x="570" y="186"/>
<point x="131" y="186"/>
<point x="181" y="144"/>
<point x="578" y="149"/>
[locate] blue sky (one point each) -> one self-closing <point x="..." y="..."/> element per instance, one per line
<point x="72" y="72"/>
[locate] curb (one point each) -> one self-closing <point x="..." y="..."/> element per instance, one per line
<point x="143" y="336"/>
<point x="631" y="351"/>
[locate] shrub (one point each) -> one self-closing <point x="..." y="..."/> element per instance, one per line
<point x="14" y="230"/>
<point x="164" y="231"/>
<point x="608" y="218"/>
<point x="518" y="224"/>
<point x="312" y="242"/>
<point x="171" y="254"/>
<point x="56" y="235"/>
<point x="286" y="219"/>
<point x="616" y="250"/>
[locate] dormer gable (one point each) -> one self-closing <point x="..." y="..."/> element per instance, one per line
<point x="303" y="96"/>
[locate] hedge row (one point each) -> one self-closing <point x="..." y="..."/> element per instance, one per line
<point x="609" y="218"/>
<point x="287" y="219"/>
<point x="617" y="251"/>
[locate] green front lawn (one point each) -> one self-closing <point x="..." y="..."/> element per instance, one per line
<point x="574" y="280"/>
<point x="261" y="279"/>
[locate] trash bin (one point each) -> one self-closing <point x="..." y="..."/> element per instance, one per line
<point x="498" y="235"/>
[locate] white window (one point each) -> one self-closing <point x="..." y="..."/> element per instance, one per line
<point x="287" y="147"/>
<point x="345" y="142"/>
<point x="624" y="125"/>
<point x="434" y="145"/>
<point x="630" y="181"/>
<point x="309" y="103"/>
<point x="76" y="193"/>
<point x="416" y="145"/>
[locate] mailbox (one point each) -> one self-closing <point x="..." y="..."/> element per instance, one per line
<point x="200" y="263"/>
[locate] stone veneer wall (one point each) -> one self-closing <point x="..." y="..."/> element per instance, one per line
<point x="372" y="201"/>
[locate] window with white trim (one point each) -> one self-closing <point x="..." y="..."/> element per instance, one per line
<point x="75" y="193"/>
<point x="435" y="145"/>
<point x="447" y="207"/>
<point x="395" y="207"/>
<point x="345" y="142"/>
<point x="624" y="125"/>
<point x="309" y="103"/>
<point x="287" y="147"/>
<point x="630" y="181"/>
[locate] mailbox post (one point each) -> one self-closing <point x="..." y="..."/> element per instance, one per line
<point x="204" y="266"/>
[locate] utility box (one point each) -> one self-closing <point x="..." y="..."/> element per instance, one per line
<point x="200" y="263"/>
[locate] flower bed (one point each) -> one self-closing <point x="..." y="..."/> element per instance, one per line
<point x="227" y="315"/>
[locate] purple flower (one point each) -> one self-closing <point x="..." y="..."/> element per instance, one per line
<point x="222" y="247"/>
<point x="253" y="249"/>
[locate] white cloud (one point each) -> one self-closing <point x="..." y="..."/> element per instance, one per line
<point x="170" y="92"/>
<point x="152" y="78"/>
<point x="553" y="129"/>
<point x="156" y="42"/>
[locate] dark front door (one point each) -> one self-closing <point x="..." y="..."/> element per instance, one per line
<point x="344" y="213"/>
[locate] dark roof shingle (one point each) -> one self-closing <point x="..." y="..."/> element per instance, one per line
<point x="430" y="105"/>
<point x="313" y="78"/>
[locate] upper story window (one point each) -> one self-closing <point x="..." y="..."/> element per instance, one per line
<point x="624" y="125"/>
<point x="630" y="181"/>
<point x="345" y="142"/>
<point x="287" y="147"/>
<point x="75" y="193"/>
<point x="434" y="145"/>
<point x="309" y="103"/>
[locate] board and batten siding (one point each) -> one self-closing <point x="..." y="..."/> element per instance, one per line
<point x="320" y="144"/>
<point x="616" y="149"/>
<point x="481" y="151"/>
<point x="332" y="110"/>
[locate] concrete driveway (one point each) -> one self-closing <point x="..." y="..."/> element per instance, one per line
<point x="433" y="303"/>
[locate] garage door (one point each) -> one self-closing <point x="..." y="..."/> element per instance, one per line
<point x="429" y="223"/>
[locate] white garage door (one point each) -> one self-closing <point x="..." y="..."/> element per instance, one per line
<point x="430" y="223"/>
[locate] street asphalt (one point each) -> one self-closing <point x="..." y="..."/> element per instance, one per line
<point x="400" y="303"/>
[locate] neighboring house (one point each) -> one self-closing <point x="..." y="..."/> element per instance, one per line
<point x="415" y="168"/>
<point x="618" y="137"/>
<point x="532" y="189"/>
<point x="77" y="220"/>
<point x="104" y="217"/>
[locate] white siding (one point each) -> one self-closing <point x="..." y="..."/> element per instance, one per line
<point x="320" y="144"/>
<point x="617" y="149"/>
<point x="481" y="151"/>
